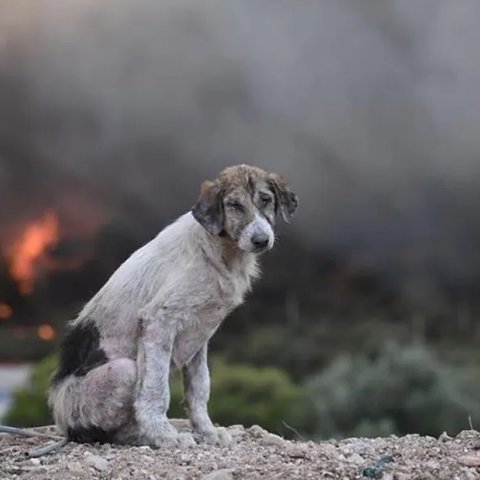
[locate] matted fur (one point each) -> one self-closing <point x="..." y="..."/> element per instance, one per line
<point x="159" y="310"/>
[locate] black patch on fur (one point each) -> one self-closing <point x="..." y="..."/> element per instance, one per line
<point x="80" y="352"/>
<point x="89" y="435"/>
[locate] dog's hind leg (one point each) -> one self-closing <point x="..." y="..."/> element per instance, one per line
<point x="95" y="406"/>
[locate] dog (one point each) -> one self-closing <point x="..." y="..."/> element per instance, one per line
<point x="157" y="313"/>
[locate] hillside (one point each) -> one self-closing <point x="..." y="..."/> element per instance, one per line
<point x="254" y="454"/>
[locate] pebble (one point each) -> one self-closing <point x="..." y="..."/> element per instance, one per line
<point x="297" y="450"/>
<point x="359" y="447"/>
<point x="445" y="437"/>
<point x="265" y="437"/>
<point x="356" y="459"/>
<point x="273" y="440"/>
<point x="236" y="431"/>
<point x="467" y="434"/>
<point x="77" y="471"/>
<point x="223" y="474"/>
<point x="470" y="460"/>
<point x="257" y="431"/>
<point x="98" y="463"/>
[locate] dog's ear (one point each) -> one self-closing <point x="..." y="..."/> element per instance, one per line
<point x="286" y="200"/>
<point x="208" y="211"/>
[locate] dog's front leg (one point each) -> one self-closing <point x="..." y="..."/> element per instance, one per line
<point x="196" y="382"/>
<point x="152" y="400"/>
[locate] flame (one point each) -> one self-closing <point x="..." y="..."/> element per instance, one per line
<point x="26" y="253"/>
<point x="6" y="311"/>
<point x="46" y="332"/>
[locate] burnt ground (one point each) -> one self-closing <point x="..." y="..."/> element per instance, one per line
<point x="254" y="454"/>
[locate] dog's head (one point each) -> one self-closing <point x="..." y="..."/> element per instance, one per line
<point x="242" y="204"/>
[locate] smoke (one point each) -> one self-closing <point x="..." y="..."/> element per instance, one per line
<point x="369" y="108"/>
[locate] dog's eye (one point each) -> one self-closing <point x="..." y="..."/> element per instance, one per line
<point x="235" y="205"/>
<point x="265" y="200"/>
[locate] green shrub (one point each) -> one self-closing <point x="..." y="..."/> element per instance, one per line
<point x="401" y="390"/>
<point x="29" y="407"/>
<point x="240" y="394"/>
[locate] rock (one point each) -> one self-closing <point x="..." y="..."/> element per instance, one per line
<point x="356" y="459"/>
<point x="35" y="461"/>
<point x="470" y="460"/>
<point x="467" y="434"/>
<point x="328" y="450"/>
<point x="223" y="474"/>
<point x="256" y="431"/>
<point x="353" y="446"/>
<point x="273" y="440"/>
<point x="77" y="471"/>
<point x="297" y="450"/>
<point x="236" y="431"/>
<point x="98" y="463"/>
<point x="266" y="438"/>
<point x="444" y="437"/>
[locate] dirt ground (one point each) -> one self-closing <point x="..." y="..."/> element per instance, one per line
<point x="254" y="454"/>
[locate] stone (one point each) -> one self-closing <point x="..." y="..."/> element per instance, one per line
<point x="296" y="450"/>
<point x="444" y="437"/>
<point x="470" y="460"/>
<point x="223" y="474"/>
<point x="98" y="463"/>
<point x="256" y="431"/>
<point x="468" y="434"/>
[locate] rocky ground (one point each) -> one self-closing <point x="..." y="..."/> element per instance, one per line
<point x="254" y="454"/>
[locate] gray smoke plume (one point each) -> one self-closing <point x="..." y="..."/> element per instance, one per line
<point x="369" y="107"/>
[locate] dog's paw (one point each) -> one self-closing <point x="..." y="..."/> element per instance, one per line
<point x="215" y="436"/>
<point x="159" y="433"/>
<point x="179" y="440"/>
<point x="186" y="440"/>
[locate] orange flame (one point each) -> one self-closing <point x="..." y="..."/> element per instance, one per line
<point x="26" y="252"/>
<point x="6" y="311"/>
<point x="46" y="332"/>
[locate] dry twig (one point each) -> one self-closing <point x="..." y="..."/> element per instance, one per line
<point x="28" y="433"/>
<point x="36" y="452"/>
<point x="39" y="452"/>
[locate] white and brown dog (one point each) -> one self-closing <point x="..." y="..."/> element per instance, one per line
<point x="159" y="310"/>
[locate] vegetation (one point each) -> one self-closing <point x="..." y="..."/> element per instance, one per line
<point x="400" y="390"/>
<point x="29" y="406"/>
<point x="247" y="395"/>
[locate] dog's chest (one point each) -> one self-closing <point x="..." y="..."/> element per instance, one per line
<point x="202" y="321"/>
<point x="194" y="335"/>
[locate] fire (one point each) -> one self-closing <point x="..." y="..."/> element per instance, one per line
<point x="6" y="311"/>
<point x="26" y="254"/>
<point x="46" y="332"/>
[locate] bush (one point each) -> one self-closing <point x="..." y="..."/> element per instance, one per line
<point x="401" y="390"/>
<point x="240" y="394"/>
<point x="29" y="407"/>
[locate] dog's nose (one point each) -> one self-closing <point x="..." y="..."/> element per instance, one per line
<point x="260" y="241"/>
